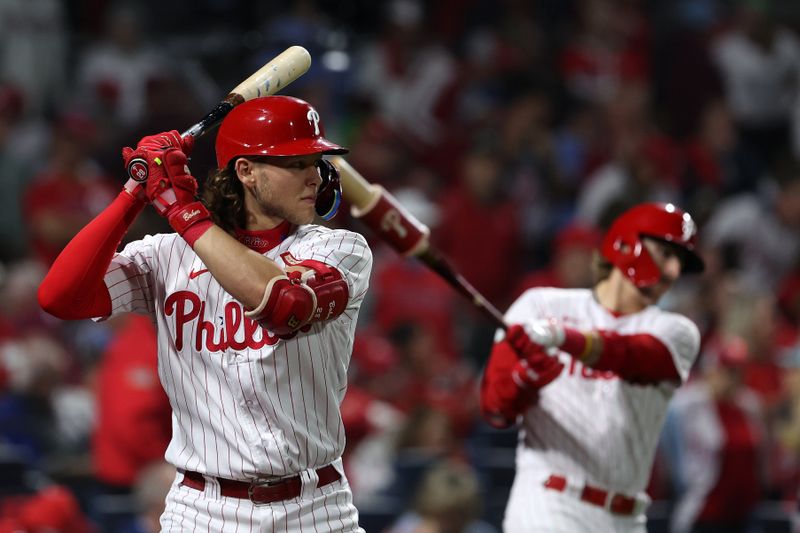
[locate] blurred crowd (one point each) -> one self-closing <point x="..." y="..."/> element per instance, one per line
<point x="515" y="130"/>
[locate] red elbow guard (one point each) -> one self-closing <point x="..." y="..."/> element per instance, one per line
<point x="329" y="287"/>
<point x="290" y="302"/>
<point x="287" y="306"/>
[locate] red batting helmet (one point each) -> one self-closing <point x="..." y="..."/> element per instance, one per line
<point x="272" y="125"/>
<point x="624" y="248"/>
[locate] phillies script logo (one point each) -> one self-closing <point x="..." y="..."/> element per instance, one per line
<point x="236" y="332"/>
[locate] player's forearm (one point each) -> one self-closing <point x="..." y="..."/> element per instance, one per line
<point x="74" y="288"/>
<point x="639" y="358"/>
<point x="242" y="272"/>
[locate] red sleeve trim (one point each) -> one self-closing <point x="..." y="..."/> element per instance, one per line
<point x="74" y="288"/>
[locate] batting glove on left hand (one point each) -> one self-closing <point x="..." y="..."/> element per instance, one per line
<point x="136" y="163"/>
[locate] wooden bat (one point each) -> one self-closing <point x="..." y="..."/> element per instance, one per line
<point x="276" y="74"/>
<point x="381" y="212"/>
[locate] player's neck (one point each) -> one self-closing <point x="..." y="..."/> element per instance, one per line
<point x="619" y="295"/>
<point x="256" y="220"/>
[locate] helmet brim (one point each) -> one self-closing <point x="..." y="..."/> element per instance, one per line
<point x="691" y="263"/>
<point x="305" y="147"/>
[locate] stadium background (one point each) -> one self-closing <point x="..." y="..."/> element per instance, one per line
<point x="514" y="129"/>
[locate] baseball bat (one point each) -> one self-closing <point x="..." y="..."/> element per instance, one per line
<point x="381" y="212"/>
<point x="276" y="74"/>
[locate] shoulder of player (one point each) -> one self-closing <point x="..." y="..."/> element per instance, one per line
<point x="157" y="241"/>
<point x="314" y="232"/>
<point x="674" y="319"/>
<point x="679" y="329"/>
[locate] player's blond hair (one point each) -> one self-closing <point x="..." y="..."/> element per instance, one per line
<point x="223" y="195"/>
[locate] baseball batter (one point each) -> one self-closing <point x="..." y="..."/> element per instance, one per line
<point x="256" y="310"/>
<point x="589" y="374"/>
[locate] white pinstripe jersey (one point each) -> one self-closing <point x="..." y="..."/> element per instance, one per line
<point x="591" y="426"/>
<point x="244" y="402"/>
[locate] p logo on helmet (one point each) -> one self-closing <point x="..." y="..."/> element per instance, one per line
<point x="272" y="126"/>
<point x="281" y="126"/>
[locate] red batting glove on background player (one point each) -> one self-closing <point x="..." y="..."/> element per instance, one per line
<point x="517" y="369"/>
<point x="535" y="369"/>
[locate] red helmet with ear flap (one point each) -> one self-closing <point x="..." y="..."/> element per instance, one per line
<point x="272" y="126"/>
<point x="624" y="248"/>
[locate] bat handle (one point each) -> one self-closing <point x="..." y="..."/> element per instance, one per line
<point x="214" y="117"/>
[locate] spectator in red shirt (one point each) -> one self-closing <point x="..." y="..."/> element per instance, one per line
<point x="610" y="48"/>
<point x="718" y="444"/>
<point x="477" y="217"/>
<point x="53" y="509"/>
<point x="71" y="189"/>
<point x="133" y="419"/>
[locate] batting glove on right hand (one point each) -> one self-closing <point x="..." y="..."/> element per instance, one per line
<point x="168" y="139"/>
<point x="535" y="369"/>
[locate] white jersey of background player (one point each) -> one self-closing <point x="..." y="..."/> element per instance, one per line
<point x="592" y="413"/>
<point x="256" y="311"/>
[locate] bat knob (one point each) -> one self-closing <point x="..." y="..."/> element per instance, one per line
<point x="137" y="169"/>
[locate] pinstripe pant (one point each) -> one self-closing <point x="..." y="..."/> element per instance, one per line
<point x="532" y="508"/>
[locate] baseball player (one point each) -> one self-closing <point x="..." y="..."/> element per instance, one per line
<point x="589" y="373"/>
<point x="256" y="310"/>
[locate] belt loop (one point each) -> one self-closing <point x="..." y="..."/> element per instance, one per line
<point x="308" y="483"/>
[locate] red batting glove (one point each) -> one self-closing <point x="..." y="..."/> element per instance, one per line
<point x="136" y="164"/>
<point x="168" y="139"/>
<point x="172" y="191"/>
<point x="535" y="369"/>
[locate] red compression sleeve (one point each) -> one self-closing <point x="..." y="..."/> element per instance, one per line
<point x="639" y="358"/>
<point x="73" y="288"/>
<point x="501" y="399"/>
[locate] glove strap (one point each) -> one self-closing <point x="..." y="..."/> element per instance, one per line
<point x="136" y="189"/>
<point x="186" y="217"/>
<point x="164" y="201"/>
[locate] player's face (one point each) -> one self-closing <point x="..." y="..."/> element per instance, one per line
<point x="286" y="187"/>
<point x="667" y="258"/>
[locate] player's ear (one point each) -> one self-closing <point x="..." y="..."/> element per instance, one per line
<point x="245" y="171"/>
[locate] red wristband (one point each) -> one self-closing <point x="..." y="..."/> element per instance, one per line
<point x="194" y="217"/>
<point x="196" y="231"/>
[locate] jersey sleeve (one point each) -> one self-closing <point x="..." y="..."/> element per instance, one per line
<point x="129" y="278"/>
<point x="346" y="251"/>
<point x="682" y="338"/>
